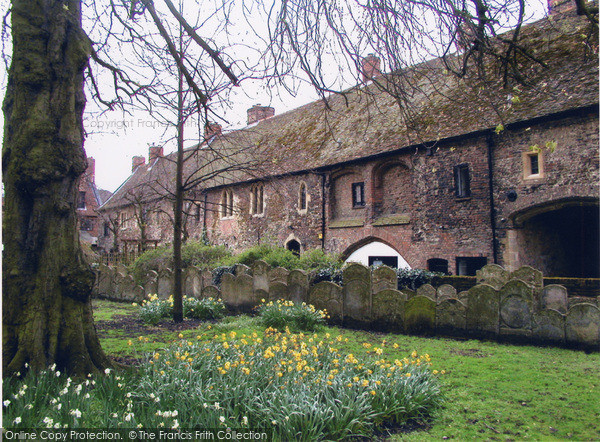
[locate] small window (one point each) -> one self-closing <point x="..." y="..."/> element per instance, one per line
<point x="468" y="266"/>
<point x="197" y="214"/>
<point x="462" y="181"/>
<point x="302" y="201"/>
<point x="87" y="224"/>
<point x="257" y="200"/>
<point x="106" y="229"/>
<point x="390" y="261"/>
<point x="226" y="204"/>
<point x="81" y="200"/>
<point x="438" y="265"/>
<point x="533" y="165"/>
<point x="358" y="194"/>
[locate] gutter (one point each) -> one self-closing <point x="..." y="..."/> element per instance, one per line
<point x="490" y="146"/>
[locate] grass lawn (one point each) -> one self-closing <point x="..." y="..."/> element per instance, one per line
<point x="492" y="391"/>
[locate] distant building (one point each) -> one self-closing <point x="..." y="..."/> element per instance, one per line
<point x="90" y="198"/>
<point x="501" y="174"/>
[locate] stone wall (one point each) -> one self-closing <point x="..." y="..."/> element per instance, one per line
<point x="503" y="305"/>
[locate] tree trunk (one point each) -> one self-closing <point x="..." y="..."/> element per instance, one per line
<point x="47" y="315"/>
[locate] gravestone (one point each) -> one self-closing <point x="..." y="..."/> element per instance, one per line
<point x="106" y="283"/>
<point x="241" y="269"/>
<point x="446" y="291"/>
<point x="554" y="297"/>
<point x="278" y="274"/>
<point x="549" y="326"/>
<point x="260" y="276"/>
<point x="483" y="310"/>
<point x="120" y="268"/>
<point x="388" y="309"/>
<point x="237" y="291"/>
<point x="493" y="275"/>
<point x="530" y="276"/>
<point x="427" y="290"/>
<point x="328" y="296"/>
<point x="582" y="326"/>
<point x="574" y="300"/>
<point x="357" y="293"/>
<point x="298" y="286"/>
<point x="151" y="284"/>
<point x="127" y="289"/>
<point x="165" y="283"/>
<point x="451" y="316"/>
<point x="210" y="291"/>
<point x="277" y="290"/>
<point x="193" y="282"/>
<point x="419" y="315"/>
<point x="516" y="302"/>
<point x="408" y="293"/>
<point x="384" y="278"/>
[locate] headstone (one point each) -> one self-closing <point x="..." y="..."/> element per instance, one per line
<point x="122" y="269"/>
<point x="357" y="293"/>
<point x="278" y="274"/>
<point x="554" y="297"/>
<point x="483" y="310"/>
<point x="241" y="269"/>
<point x="328" y="296"/>
<point x="260" y="275"/>
<point x="419" y="315"/>
<point x="151" y="284"/>
<point x="298" y="286"/>
<point x="388" y="309"/>
<point x="516" y="302"/>
<point x="384" y="278"/>
<point x="193" y="282"/>
<point x="493" y="275"/>
<point x="138" y="294"/>
<point x="165" y="283"/>
<point x="277" y="290"/>
<point x="451" y="316"/>
<point x="530" y="276"/>
<point x="238" y="291"/>
<point x="408" y="293"/>
<point x="463" y="297"/>
<point x="207" y="278"/>
<point x="582" y="325"/>
<point x="210" y="291"/>
<point x="574" y="300"/>
<point x="446" y="291"/>
<point x="427" y="290"/>
<point x="549" y="326"/>
<point x="127" y="289"/>
<point x="106" y="283"/>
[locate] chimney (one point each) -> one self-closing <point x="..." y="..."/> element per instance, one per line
<point x="154" y="152"/>
<point x="211" y="130"/>
<point x="560" y="6"/>
<point x="371" y="65"/>
<point x="137" y="162"/>
<point x="90" y="171"/>
<point x="258" y="113"/>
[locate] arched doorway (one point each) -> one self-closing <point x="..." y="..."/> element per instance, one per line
<point x="561" y="239"/>
<point x="376" y="253"/>
<point x="293" y="246"/>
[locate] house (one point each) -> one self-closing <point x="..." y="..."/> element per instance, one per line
<point x="471" y="174"/>
<point x="89" y="199"/>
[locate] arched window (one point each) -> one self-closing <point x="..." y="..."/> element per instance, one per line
<point x="227" y="203"/>
<point x="302" y="197"/>
<point x="257" y="199"/>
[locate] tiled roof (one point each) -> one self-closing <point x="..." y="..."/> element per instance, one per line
<point x="366" y="121"/>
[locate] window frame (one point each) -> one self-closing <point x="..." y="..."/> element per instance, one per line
<point x="303" y="198"/>
<point x="356" y="203"/>
<point x="81" y="205"/>
<point x="527" y="165"/>
<point x="462" y="181"/>
<point x="226" y="211"/>
<point x="257" y="200"/>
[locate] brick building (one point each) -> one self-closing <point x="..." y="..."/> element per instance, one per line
<point x="469" y="175"/>
<point x="90" y="198"/>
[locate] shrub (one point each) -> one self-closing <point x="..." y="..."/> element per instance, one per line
<point x="274" y="256"/>
<point x="414" y="278"/>
<point x="155" y="259"/>
<point x="317" y="259"/>
<point x="207" y="308"/>
<point x="217" y="274"/>
<point x="281" y="314"/>
<point x="331" y="274"/>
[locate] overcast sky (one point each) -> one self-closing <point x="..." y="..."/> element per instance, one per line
<point x="113" y="138"/>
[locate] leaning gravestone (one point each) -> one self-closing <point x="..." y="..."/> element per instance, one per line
<point x="493" y="275"/>
<point x="384" y="278"/>
<point x="483" y="310"/>
<point x="241" y="269"/>
<point x="388" y="309"/>
<point x="328" y="296"/>
<point x="516" y="302"/>
<point x="419" y="315"/>
<point x="549" y="326"/>
<point x="427" y="290"/>
<point x="451" y="316"/>
<point x="554" y="297"/>
<point x="582" y="325"/>
<point x="127" y="289"/>
<point x="298" y="286"/>
<point x="357" y="293"/>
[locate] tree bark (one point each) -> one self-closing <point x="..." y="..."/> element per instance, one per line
<point x="47" y="315"/>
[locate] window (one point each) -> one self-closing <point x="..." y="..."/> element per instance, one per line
<point x="533" y="165"/>
<point x="81" y="200"/>
<point x="257" y="200"/>
<point x="358" y="194"/>
<point x="197" y="214"/>
<point x="468" y="266"/>
<point x="122" y="219"/>
<point x="87" y="224"/>
<point x="390" y="261"/>
<point x="462" y="181"/>
<point x="106" y="229"/>
<point x="438" y="265"/>
<point x="302" y="201"/>
<point x="226" y="204"/>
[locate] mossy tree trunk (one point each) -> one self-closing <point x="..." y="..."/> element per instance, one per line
<point x="47" y="316"/>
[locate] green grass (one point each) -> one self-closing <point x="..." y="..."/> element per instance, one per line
<point x="492" y="391"/>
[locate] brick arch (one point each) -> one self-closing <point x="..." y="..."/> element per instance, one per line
<point x="401" y="261"/>
<point x="395" y="196"/>
<point x="340" y="196"/>
<point x="522" y="215"/>
<point x="363" y="242"/>
<point x="381" y="168"/>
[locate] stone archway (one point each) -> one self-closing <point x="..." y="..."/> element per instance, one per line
<point x="559" y="238"/>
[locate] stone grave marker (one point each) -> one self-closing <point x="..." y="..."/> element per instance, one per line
<point x="419" y="315"/>
<point x="328" y="296"/>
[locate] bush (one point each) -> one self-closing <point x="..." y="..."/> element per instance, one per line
<point x="331" y="274"/>
<point x="204" y="309"/>
<point x="414" y="278"/>
<point x="217" y="274"/>
<point x="281" y="314"/>
<point x="317" y="259"/>
<point x="274" y="256"/>
<point x="155" y="259"/>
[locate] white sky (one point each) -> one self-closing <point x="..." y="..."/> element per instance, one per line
<point x="113" y="138"/>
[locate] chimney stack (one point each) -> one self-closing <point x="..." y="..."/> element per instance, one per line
<point x="90" y="171"/>
<point x="137" y="162"/>
<point x="211" y="130"/>
<point x="560" y="6"/>
<point x="258" y="113"/>
<point x="371" y="66"/>
<point x="154" y="152"/>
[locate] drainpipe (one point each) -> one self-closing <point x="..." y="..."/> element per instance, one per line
<point x="204" y="231"/>
<point x="323" y="179"/>
<point x="490" y="147"/>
